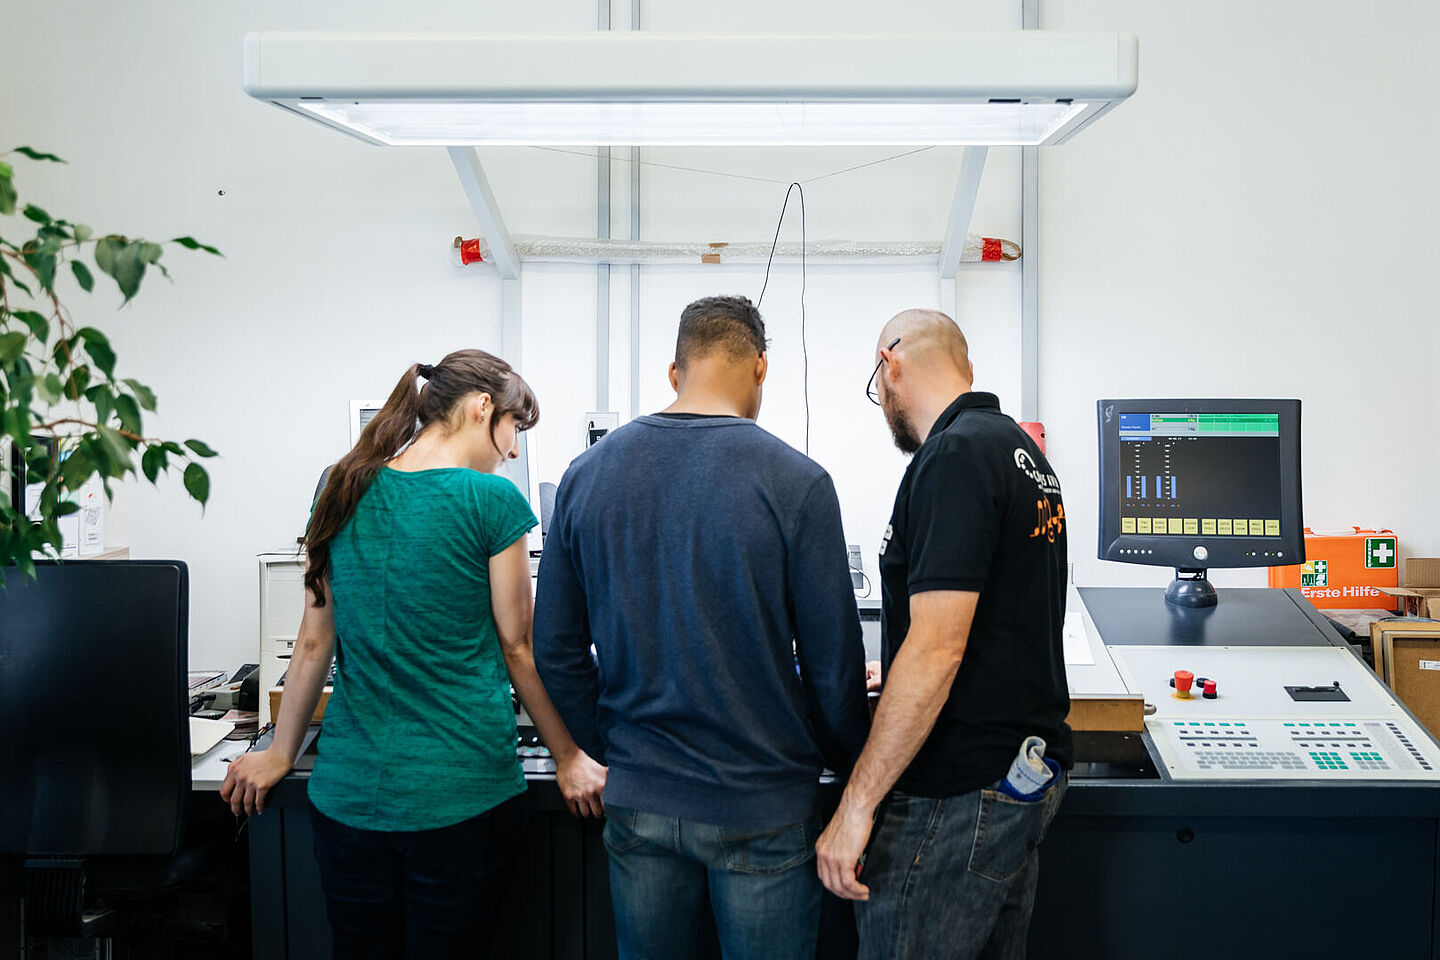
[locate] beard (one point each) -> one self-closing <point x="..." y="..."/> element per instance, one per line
<point x="905" y="436"/>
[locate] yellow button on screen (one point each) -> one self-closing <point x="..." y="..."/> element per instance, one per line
<point x="1272" y="528"/>
<point x="1192" y="527"/>
<point x="1222" y="527"/>
<point x="1241" y="528"/>
<point x="1177" y="526"/>
<point x="1207" y="527"/>
<point x="1257" y="528"/>
<point x="1142" y="524"/>
<point x="1127" y="524"/>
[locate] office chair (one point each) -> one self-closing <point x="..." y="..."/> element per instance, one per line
<point x="94" y="739"/>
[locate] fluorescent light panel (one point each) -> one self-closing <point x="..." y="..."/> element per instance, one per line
<point x="655" y="89"/>
<point x="444" y="123"/>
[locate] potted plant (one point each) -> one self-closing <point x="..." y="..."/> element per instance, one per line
<point x="65" y="414"/>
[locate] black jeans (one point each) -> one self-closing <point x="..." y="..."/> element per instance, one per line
<point x="420" y="893"/>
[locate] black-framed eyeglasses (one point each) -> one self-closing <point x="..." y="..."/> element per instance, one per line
<point x="870" y="389"/>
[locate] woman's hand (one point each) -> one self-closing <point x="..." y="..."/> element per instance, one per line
<point x="872" y="676"/>
<point x="250" y="778"/>
<point x="581" y="781"/>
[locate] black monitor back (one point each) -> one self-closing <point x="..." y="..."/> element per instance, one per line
<point x="94" y="730"/>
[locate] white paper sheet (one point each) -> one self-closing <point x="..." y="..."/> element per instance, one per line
<point x="204" y="734"/>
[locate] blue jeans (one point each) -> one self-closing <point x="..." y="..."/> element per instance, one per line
<point x="418" y="893"/>
<point x="953" y="877"/>
<point x="668" y="875"/>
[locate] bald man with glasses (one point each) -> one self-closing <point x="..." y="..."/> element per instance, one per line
<point x="938" y="830"/>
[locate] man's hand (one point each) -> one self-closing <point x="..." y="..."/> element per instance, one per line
<point x="837" y="852"/>
<point x="250" y="778"/>
<point x="872" y="676"/>
<point x="581" y="781"/>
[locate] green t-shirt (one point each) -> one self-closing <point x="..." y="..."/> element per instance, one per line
<point x="419" y="732"/>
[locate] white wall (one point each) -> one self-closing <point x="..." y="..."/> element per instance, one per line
<point x="1269" y="240"/>
<point x="1259" y="219"/>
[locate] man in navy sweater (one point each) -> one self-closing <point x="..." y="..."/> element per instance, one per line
<point x="705" y="560"/>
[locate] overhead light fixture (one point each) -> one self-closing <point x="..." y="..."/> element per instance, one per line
<point x="650" y="89"/>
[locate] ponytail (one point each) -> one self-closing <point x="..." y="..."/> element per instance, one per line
<point x="383" y="438"/>
<point x="406" y="412"/>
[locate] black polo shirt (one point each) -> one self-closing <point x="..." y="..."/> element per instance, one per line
<point x="979" y="509"/>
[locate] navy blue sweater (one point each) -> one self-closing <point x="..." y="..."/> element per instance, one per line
<point x="703" y="558"/>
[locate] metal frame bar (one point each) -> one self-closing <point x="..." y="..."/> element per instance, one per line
<point x="1029" y="258"/>
<point x="634" y="267"/>
<point x="602" y="270"/>
<point x="487" y="211"/>
<point x="962" y="206"/>
<point x="502" y="250"/>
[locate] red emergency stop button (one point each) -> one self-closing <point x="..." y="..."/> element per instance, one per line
<point x="1184" y="681"/>
<point x="1211" y="690"/>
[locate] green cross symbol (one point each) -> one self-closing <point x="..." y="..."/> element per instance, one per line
<point x="1379" y="553"/>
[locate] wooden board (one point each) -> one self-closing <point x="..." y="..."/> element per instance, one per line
<point x="1106" y="713"/>
<point x="277" y="692"/>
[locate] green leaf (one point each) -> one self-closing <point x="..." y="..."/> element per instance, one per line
<point x="150" y="252"/>
<point x="190" y="243"/>
<point x="117" y="449"/>
<point x="107" y="251"/>
<point x="98" y="346"/>
<point x="12" y="345"/>
<point x="8" y="196"/>
<point x="130" y="269"/>
<point x="66" y="507"/>
<point x="34" y="154"/>
<point x="49" y="388"/>
<point x="33" y="212"/>
<point x="197" y="482"/>
<point x="153" y="461"/>
<point x="129" y="413"/>
<point x="200" y="448"/>
<point x="83" y="275"/>
<point x="43" y="264"/>
<point x="76" y="383"/>
<point x="6" y="170"/>
<point x="76" y="469"/>
<point x="15" y="423"/>
<point x="144" y="394"/>
<point x="82" y="232"/>
<point x="39" y="326"/>
<point x="172" y="447"/>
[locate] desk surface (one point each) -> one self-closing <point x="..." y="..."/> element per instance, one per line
<point x="207" y="772"/>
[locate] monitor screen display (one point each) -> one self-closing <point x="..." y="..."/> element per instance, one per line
<point x="1199" y="484"/>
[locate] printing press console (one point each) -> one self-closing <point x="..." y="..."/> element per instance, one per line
<point x="1279" y="818"/>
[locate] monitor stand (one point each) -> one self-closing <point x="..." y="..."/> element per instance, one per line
<point x="1195" y="590"/>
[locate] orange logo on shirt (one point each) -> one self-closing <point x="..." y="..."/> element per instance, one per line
<point x="1050" y="519"/>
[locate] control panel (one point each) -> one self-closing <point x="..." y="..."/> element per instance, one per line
<point x="534" y="755"/>
<point x="1274" y="713"/>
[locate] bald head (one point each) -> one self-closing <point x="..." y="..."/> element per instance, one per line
<point x="929" y="340"/>
<point x="929" y="366"/>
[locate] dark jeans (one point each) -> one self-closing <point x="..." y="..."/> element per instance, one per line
<point x="422" y="893"/>
<point x="666" y="874"/>
<point x="953" y="877"/>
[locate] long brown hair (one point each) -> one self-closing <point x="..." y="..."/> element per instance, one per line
<point x="409" y="410"/>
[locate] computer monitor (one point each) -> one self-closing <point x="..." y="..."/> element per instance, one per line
<point x="1200" y="484"/>
<point x="94" y="732"/>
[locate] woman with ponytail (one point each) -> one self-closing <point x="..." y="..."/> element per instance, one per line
<point x="418" y="584"/>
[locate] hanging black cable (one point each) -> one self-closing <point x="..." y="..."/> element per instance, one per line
<point x="804" y="345"/>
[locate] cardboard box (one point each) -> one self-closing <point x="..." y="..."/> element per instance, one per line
<point x="1344" y="571"/>
<point x="1382" y="637"/>
<point x="1422" y="587"/>
<point x="1410" y="654"/>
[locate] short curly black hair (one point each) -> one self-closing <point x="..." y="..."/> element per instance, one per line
<point x="732" y="324"/>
